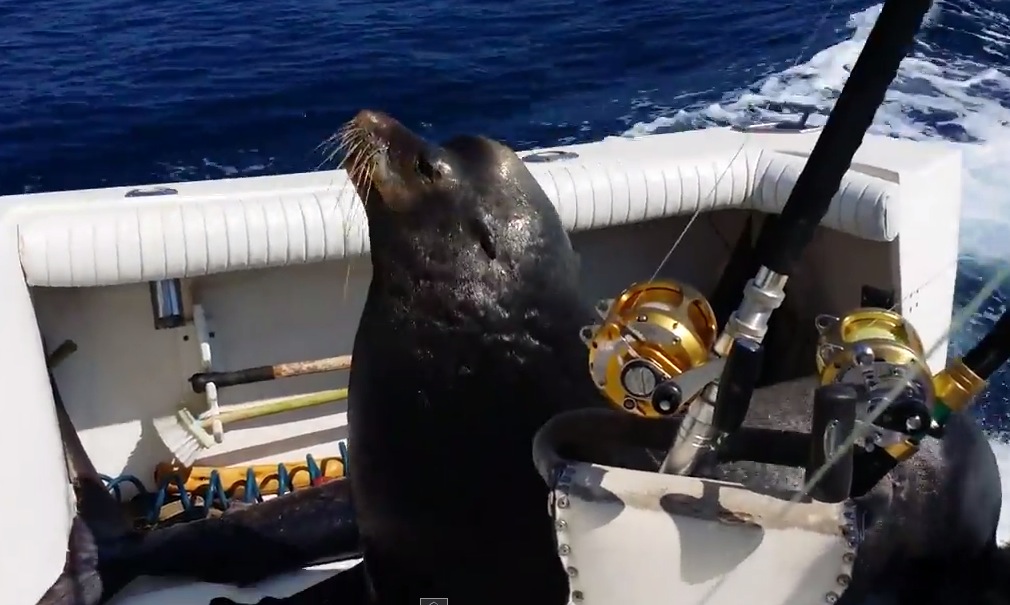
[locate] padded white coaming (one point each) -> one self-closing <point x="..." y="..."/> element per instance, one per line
<point x="111" y="239"/>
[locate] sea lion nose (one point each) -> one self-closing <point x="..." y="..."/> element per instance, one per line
<point x="375" y="121"/>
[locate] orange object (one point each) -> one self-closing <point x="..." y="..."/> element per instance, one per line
<point x="197" y="478"/>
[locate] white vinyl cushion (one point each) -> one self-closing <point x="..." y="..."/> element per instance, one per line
<point x="103" y="237"/>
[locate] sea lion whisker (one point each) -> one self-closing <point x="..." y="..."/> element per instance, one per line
<point x="348" y="217"/>
<point x="355" y="149"/>
<point x="328" y="140"/>
<point x="369" y="170"/>
<point x="371" y="184"/>
<point x="347" y="130"/>
<point x="362" y="165"/>
<point x="336" y="140"/>
<point x="355" y="167"/>
<point x="341" y="165"/>
<point x="330" y="147"/>
<point x="354" y="154"/>
<point x="337" y="148"/>
<point x="323" y="162"/>
<point x="350" y="133"/>
<point x="347" y="135"/>
<point x="347" y="280"/>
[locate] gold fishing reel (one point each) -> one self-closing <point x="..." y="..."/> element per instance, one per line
<point x="652" y="332"/>
<point x="878" y="349"/>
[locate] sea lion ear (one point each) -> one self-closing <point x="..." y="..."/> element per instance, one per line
<point x="481" y="226"/>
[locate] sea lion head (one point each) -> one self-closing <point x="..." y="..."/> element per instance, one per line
<point x="473" y="194"/>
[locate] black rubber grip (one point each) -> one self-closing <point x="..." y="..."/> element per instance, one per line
<point x="834" y="419"/>
<point x="229" y="379"/>
<point x="992" y="351"/>
<point x="782" y="243"/>
<point x="736" y="385"/>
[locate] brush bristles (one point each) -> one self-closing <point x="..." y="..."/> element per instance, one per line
<point x="183" y="436"/>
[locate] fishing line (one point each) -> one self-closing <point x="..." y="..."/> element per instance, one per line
<point x="715" y="186"/>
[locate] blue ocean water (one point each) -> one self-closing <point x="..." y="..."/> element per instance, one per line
<point x="109" y="92"/>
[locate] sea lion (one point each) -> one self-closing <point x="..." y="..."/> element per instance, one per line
<point x="468" y="343"/>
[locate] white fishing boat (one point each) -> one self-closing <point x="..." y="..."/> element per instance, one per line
<point x="209" y="323"/>
<point x="155" y="284"/>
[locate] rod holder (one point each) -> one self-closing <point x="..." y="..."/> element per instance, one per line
<point x="166" y="304"/>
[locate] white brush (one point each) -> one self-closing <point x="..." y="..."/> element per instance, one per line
<point x="186" y="435"/>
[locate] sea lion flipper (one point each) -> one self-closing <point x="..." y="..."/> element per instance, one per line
<point x="100" y="529"/>
<point x="80" y="583"/>
<point x="253" y="542"/>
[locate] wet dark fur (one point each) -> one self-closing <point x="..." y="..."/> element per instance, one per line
<point x="468" y="343"/>
<point x="931" y="533"/>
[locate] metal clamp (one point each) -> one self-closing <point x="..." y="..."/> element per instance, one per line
<point x="552" y="155"/>
<point x="151" y="192"/>
<point x="798" y="125"/>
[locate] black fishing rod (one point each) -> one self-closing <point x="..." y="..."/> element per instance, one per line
<point x="956" y="388"/>
<point x="722" y="405"/>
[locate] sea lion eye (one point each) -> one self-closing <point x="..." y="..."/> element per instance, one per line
<point x="424" y="168"/>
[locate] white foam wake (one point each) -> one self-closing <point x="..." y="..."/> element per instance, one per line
<point x="938" y="95"/>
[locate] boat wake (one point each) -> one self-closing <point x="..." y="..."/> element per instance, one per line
<point x="940" y="94"/>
